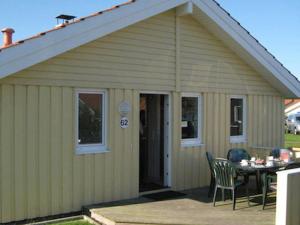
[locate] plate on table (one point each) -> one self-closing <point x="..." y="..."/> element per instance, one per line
<point x="258" y="166"/>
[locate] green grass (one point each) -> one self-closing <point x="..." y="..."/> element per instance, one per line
<point x="292" y="140"/>
<point x="75" y="222"/>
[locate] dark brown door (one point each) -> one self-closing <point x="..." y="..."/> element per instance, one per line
<point x="151" y="142"/>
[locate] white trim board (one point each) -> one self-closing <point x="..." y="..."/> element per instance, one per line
<point x="207" y="12"/>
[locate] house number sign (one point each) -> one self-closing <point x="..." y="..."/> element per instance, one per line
<point x="124" y="122"/>
<point x="124" y="109"/>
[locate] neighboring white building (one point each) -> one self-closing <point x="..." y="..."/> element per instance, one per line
<point x="292" y="106"/>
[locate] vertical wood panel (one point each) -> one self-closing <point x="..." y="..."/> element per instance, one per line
<point x="55" y="150"/>
<point x="203" y="174"/>
<point x="109" y="163"/>
<point x="32" y="153"/>
<point x="44" y="151"/>
<point x="269" y="129"/>
<point x="260" y="121"/>
<point x="135" y="142"/>
<point x="210" y="123"/>
<point x="215" y="124"/>
<point x="67" y="149"/>
<point x="78" y="178"/>
<point x="99" y="171"/>
<point x="250" y="120"/>
<point x="177" y="169"/>
<point x="277" y="124"/>
<point x="222" y="124"/>
<point x="227" y="123"/>
<point x="118" y="150"/>
<point x="87" y="178"/>
<point x="20" y="188"/>
<point x="127" y="156"/>
<point x="7" y="109"/>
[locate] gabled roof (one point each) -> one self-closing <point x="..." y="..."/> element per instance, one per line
<point x="43" y="46"/>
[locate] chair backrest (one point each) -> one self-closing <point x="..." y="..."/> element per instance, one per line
<point x="293" y="166"/>
<point x="210" y="160"/>
<point x="237" y="155"/>
<point x="282" y="153"/>
<point x="275" y="153"/>
<point x="224" y="172"/>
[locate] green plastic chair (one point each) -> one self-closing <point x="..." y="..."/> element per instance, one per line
<point x="225" y="175"/>
<point x="237" y="154"/>
<point x="210" y="160"/>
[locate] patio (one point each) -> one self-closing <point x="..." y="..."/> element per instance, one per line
<point x="191" y="209"/>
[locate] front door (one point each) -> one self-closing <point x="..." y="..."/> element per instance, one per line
<point x="153" y="142"/>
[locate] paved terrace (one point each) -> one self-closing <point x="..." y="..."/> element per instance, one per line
<point x="194" y="208"/>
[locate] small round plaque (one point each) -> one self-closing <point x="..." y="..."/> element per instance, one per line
<point x="124" y="108"/>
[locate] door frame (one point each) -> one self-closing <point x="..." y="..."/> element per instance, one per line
<point x="167" y="134"/>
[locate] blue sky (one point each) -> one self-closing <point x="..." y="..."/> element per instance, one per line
<point x="275" y="23"/>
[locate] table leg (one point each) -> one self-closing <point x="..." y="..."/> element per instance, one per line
<point x="258" y="181"/>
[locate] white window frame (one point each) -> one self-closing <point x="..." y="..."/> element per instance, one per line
<point x="193" y="141"/>
<point x="91" y="148"/>
<point x="241" y="138"/>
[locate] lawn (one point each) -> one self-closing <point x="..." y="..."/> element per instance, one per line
<point x="74" y="222"/>
<point x="292" y="140"/>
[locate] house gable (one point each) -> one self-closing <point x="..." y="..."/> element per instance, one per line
<point x="208" y="12"/>
<point x="143" y="56"/>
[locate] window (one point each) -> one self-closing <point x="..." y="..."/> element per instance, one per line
<point x="91" y="121"/>
<point x="190" y="120"/>
<point x="237" y="119"/>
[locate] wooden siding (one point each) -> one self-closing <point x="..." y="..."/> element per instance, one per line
<point x="264" y="129"/>
<point x="39" y="171"/>
<point x="207" y="64"/>
<point x="139" y="57"/>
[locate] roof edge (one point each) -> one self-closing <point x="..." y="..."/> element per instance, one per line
<point x="42" y="47"/>
<point x="242" y="37"/>
<point x="57" y="41"/>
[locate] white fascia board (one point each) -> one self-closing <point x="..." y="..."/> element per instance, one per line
<point x="185" y="9"/>
<point x="39" y="49"/>
<point x="241" y="37"/>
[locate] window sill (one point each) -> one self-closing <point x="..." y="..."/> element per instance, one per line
<point x="186" y="144"/>
<point x="238" y="139"/>
<point x="91" y="149"/>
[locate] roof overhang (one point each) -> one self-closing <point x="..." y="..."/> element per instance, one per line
<point x="207" y="12"/>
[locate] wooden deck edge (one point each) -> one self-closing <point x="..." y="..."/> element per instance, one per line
<point x="91" y="220"/>
<point x="68" y="219"/>
<point x="101" y="219"/>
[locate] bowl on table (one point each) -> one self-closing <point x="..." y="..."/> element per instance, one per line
<point x="244" y="162"/>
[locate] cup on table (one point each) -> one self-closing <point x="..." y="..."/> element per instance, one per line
<point x="270" y="163"/>
<point x="244" y="162"/>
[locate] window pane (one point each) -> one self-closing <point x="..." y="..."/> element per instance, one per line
<point x="189" y="120"/>
<point x="90" y="118"/>
<point x="236" y="128"/>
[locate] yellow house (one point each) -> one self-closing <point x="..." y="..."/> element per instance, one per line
<point x="128" y="100"/>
